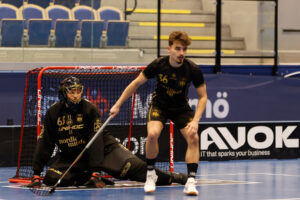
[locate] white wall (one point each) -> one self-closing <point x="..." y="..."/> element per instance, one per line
<point x="289" y="18"/>
<point x="243" y="20"/>
<point x="246" y="21"/>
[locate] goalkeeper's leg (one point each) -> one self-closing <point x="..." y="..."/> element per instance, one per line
<point x="73" y="178"/>
<point x="122" y="164"/>
<point x="138" y="172"/>
<point x="76" y="176"/>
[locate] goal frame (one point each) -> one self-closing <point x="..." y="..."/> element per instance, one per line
<point x="40" y="72"/>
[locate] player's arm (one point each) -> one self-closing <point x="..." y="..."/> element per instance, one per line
<point x="96" y="150"/>
<point x="201" y="91"/>
<point x="129" y="90"/>
<point x="193" y="125"/>
<point x="44" y="148"/>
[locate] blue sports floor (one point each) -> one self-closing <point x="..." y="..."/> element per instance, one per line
<point x="228" y="180"/>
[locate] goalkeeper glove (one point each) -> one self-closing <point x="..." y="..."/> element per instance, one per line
<point x="36" y="182"/>
<point x="95" y="181"/>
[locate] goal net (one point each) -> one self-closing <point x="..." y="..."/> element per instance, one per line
<point x="103" y="85"/>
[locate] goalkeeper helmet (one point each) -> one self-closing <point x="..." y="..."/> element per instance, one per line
<point x="66" y="86"/>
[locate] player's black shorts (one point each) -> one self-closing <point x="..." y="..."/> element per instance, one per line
<point x="180" y="116"/>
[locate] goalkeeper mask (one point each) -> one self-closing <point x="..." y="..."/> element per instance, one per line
<point x="70" y="91"/>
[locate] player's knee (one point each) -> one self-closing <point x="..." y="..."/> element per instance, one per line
<point x="53" y="175"/>
<point x="193" y="139"/>
<point x="152" y="136"/>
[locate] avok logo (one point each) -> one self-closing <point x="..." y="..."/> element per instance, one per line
<point x="281" y="137"/>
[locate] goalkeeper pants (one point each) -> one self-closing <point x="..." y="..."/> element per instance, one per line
<point x="122" y="164"/>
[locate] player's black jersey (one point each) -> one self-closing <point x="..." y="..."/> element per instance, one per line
<point x="69" y="131"/>
<point x="172" y="83"/>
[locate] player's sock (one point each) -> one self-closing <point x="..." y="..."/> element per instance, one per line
<point x="190" y="186"/>
<point x="150" y="163"/>
<point x="192" y="169"/>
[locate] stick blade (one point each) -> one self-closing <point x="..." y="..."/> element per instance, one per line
<point x="43" y="191"/>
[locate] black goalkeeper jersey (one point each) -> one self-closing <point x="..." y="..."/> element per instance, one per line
<point x="70" y="132"/>
<point x="172" y="84"/>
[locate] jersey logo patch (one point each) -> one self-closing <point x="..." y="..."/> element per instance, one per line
<point x="97" y="125"/>
<point x="79" y="118"/>
<point x="155" y="114"/>
<point x="182" y="82"/>
<point x="69" y="120"/>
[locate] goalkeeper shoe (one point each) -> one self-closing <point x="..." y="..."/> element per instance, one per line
<point x="190" y="187"/>
<point x="36" y="182"/>
<point x="180" y="178"/>
<point x="150" y="183"/>
<point x="95" y="181"/>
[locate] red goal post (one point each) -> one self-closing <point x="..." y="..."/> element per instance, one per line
<point x="103" y="85"/>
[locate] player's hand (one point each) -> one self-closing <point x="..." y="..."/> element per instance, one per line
<point x="36" y="182"/>
<point x="192" y="127"/>
<point x="114" y="110"/>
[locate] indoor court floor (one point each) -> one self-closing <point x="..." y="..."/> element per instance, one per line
<point x="219" y="180"/>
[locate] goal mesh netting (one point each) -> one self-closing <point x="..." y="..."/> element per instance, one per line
<point x="103" y="85"/>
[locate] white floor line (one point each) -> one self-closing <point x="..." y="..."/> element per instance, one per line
<point x="285" y="199"/>
<point x="171" y="186"/>
<point x="238" y="174"/>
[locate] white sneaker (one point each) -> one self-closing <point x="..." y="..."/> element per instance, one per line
<point x="150" y="183"/>
<point x="190" y="187"/>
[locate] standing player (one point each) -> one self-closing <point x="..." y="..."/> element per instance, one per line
<point x="69" y="124"/>
<point x="173" y="74"/>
